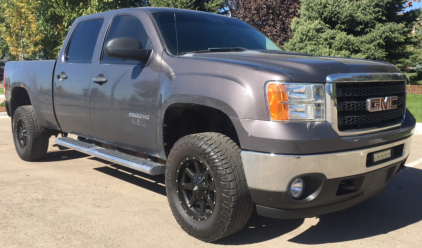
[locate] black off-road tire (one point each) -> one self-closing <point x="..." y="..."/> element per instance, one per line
<point x="233" y="205"/>
<point x="36" y="137"/>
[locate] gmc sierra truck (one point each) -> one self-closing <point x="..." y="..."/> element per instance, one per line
<point x="233" y="121"/>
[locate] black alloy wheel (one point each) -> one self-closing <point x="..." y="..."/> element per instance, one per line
<point x="197" y="189"/>
<point x="21" y="132"/>
<point x="206" y="186"/>
<point x="30" y="138"/>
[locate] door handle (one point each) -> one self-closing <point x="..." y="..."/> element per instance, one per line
<point x="62" y="76"/>
<point x="100" y="79"/>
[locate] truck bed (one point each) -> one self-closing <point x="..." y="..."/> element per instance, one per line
<point x="37" y="78"/>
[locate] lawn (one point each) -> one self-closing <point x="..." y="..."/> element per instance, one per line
<point x="414" y="104"/>
<point x="1" y="90"/>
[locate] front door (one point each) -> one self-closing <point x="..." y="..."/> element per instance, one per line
<point x="123" y="94"/>
<point x="72" y="80"/>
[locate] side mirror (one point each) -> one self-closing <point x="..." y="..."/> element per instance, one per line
<point x="127" y="48"/>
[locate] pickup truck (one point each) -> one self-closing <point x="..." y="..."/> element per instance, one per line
<point x="231" y="120"/>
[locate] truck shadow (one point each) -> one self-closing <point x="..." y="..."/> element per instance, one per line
<point x="61" y="155"/>
<point x="152" y="183"/>
<point x="398" y="206"/>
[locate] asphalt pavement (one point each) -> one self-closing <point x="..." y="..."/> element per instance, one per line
<point x="73" y="200"/>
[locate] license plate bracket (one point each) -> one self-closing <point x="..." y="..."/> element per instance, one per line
<point x="382" y="155"/>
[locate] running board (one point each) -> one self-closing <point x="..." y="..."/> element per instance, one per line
<point x="116" y="157"/>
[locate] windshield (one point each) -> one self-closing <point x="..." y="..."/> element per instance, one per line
<point x="203" y="31"/>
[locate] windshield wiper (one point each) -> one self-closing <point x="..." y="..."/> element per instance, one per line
<point x="220" y="50"/>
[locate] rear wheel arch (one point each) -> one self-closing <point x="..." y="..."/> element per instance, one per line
<point x="19" y="97"/>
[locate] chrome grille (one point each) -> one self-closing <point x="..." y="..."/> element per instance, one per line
<point x="351" y="105"/>
<point x="371" y="91"/>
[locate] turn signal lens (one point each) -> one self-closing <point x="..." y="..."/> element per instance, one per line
<point x="276" y="96"/>
<point x="296" y="101"/>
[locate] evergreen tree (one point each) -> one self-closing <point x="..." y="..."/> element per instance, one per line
<point x="378" y="30"/>
<point x="213" y="6"/>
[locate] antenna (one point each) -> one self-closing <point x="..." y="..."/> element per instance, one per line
<point x="175" y="28"/>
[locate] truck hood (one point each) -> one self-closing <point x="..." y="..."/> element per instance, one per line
<point x="300" y="67"/>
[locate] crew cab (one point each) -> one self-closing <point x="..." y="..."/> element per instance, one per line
<point x="231" y="120"/>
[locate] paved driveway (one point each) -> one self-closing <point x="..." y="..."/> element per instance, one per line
<point x="73" y="200"/>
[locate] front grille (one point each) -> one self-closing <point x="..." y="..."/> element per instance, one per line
<point x="351" y="105"/>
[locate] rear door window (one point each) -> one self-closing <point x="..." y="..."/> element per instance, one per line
<point x="82" y="44"/>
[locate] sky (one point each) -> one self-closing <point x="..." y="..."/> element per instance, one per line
<point x="416" y="5"/>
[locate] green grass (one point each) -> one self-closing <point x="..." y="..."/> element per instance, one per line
<point x="409" y="74"/>
<point x="414" y="104"/>
<point x="2" y="104"/>
<point x="1" y="90"/>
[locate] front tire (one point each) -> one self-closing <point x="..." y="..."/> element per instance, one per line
<point x="206" y="186"/>
<point x="31" y="139"/>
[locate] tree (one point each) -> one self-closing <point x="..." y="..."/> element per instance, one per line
<point x="19" y="28"/>
<point x="214" y="6"/>
<point x="368" y="29"/>
<point x="4" y="49"/>
<point x="271" y="17"/>
<point x="55" y="18"/>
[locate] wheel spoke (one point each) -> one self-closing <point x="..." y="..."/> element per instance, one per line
<point x="202" y="210"/>
<point x="189" y="173"/>
<point x="196" y="166"/>
<point x="206" y="173"/>
<point x="187" y="186"/>
<point x="211" y="203"/>
<point x="192" y="201"/>
<point x="211" y="186"/>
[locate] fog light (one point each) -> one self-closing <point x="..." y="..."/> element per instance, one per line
<point x="297" y="188"/>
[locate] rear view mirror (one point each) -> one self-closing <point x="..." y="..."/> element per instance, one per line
<point x="127" y="48"/>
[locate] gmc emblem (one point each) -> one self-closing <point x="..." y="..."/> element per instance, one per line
<point x="381" y="104"/>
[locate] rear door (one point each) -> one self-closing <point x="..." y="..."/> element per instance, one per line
<point x="72" y="79"/>
<point x="123" y="102"/>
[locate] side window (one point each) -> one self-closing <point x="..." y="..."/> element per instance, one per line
<point x="127" y="26"/>
<point x="82" y="43"/>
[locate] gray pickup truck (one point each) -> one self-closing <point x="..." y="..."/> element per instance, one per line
<point x="233" y="121"/>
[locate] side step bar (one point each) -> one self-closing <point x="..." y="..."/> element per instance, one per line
<point x="116" y="157"/>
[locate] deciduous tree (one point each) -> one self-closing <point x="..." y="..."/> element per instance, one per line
<point x="271" y="17"/>
<point x="19" y="28"/>
<point x="213" y="6"/>
<point x="55" y="18"/>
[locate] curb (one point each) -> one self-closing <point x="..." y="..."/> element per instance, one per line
<point x="418" y="128"/>
<point x="3" y="114"/>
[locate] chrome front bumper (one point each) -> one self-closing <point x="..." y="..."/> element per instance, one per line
<point x="271" y="172"/>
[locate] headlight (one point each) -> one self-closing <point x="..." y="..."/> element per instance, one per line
<point x="296" y="101"/>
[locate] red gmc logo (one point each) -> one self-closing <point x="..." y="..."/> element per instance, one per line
<point x="381" y="104"/>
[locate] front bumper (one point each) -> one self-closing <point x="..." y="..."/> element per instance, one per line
<point x="269" y="176"/>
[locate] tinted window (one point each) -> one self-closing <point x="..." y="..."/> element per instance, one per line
<point x="127" y="26"/>
<point x="81" y="47"/>
<point x="200" y="31"/>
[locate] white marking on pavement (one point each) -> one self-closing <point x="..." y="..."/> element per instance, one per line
<point x="414" y="163"/>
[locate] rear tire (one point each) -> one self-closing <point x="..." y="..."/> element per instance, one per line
<point x="206" y="186"/>
<point x="31" y="139"/>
